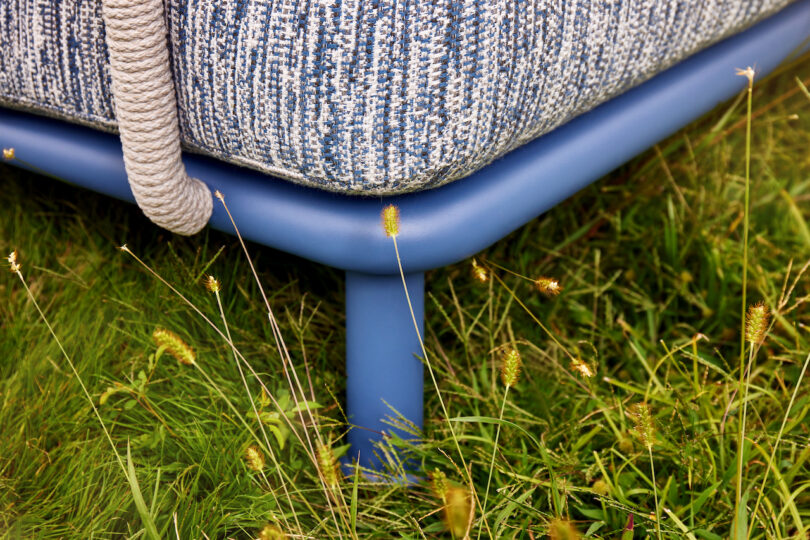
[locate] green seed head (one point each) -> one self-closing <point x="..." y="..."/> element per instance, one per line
<point x="271" y="532"/>
<point x="644" y="425"/>
<point x="328" y="465"/>
<point x="600" y="487"/>
<point x="174" y="345"/>
<point x="439" y="485"/>
<point x="390" y="220"/>
<point x="510" y="368"/>
<point x="212" y="284"/>
<point x="756" y="323"/>
<point x="560" y="529"/>
<point x="254" y="458"/>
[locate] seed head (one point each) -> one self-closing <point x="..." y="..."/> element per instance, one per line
<point x="457" y="507"/>
<point x="328" y="465"/>
<point x="479" y="272"/>
<point x="626" y="444"/>
<point x="438" y="482"/>
<point x="8" y="153"/>
<point x="390" y="220"/>
<point x="174" y="345"/>
<point x="271" y="532"/>
<point x="600" y="487"/>
<point x="254" y="458"/>
<point x="756" y="323"/>
<point x="12" y="262"/>
<point x="548" y="286"/>
<point x="644" y="424"/>
<point x="510" y="367"/>
<point x="218" y="194"/>
<point x="560" y="529"/>
<point x="212" y="284"/>
<point x="748" y="73"/>
<point x="582" y="367"/>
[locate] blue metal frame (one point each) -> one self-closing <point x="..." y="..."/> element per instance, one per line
<point x="439" y="226"/>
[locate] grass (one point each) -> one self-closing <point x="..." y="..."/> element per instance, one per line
<point x="650" y="261"/>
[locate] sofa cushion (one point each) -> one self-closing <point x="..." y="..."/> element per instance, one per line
<point x="366" y="96"/>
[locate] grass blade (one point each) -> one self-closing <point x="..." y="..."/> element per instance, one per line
<point x="140" y="504"/>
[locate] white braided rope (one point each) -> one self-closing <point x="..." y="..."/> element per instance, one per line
<point x="146" y="110"/>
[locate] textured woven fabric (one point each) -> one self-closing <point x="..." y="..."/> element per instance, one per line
<point x="366" y="96"/>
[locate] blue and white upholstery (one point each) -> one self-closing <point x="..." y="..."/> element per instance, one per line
<point x="366" y="96"/>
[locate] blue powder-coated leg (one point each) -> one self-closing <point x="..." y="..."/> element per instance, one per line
<point x="383" y="369"/>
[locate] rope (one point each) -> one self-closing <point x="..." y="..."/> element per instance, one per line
<point x="146" y="110"/>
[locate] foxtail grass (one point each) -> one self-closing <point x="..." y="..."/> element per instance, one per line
<point x="129" y="472"/>
<point x="510" y="371"/>
<point x="391" y="218"/>
<point x="307" y="447"/>
<point x="742" y="389"/>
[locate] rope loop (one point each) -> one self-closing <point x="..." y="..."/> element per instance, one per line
<point x="146" y="110"/>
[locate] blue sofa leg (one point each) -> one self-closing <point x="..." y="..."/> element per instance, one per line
<point x="383" y="369"/>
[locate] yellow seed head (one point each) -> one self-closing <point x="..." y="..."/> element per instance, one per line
<point x="254" y="458"/>
<point x="390" y="220"/>
<point x="218" y="194"/>
<point x="756" y="323"/>
<point x="457" y="508"/>
<point x="626" y="445"/>
<point x="510" y="367"/>
<point x="174" y="345"/>
<point x="271" y="532"/>
<point x="560" y="529"/>
<point x="479" y="272"/>
<point x="548" y="286"/>
<point x="212" y="284"/>
<point x="582" y="367"/>
<point x="328" y="465"/>
<point x="644" y="425"/>
<point x="8" y="153"/>
<point x="600" y="487"/>
<point x="12" y="262"/>
<point x="438" y="482"/>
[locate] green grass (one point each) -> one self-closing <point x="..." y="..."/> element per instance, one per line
<point x="650" y="261"/>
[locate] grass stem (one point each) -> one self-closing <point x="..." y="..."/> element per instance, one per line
<point x="749" y="73"/>
<point x="435" y="383"/>
<point x="492" y="458"/>
<point x="776" y="445"/>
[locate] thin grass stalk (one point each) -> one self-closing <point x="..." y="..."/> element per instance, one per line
<point x="286" y="362"/>
<point x="749" y="73"/>
<point x="149" y="525"/>
<point x="744" y="398"/>
<point x="548" y="333"/>
<point x="277" y="336"/>
<point x="73" y="369"/>
<point x="258" y="418"/>
<point x="433" y="378"/>
<point x="280" y="344"/>
<point x="776" y="446"/>
<point x="492" y="458"/>
<point x="655" y="494"/>
<point x="310" y="454"/>
<point x="255" y="437"/>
